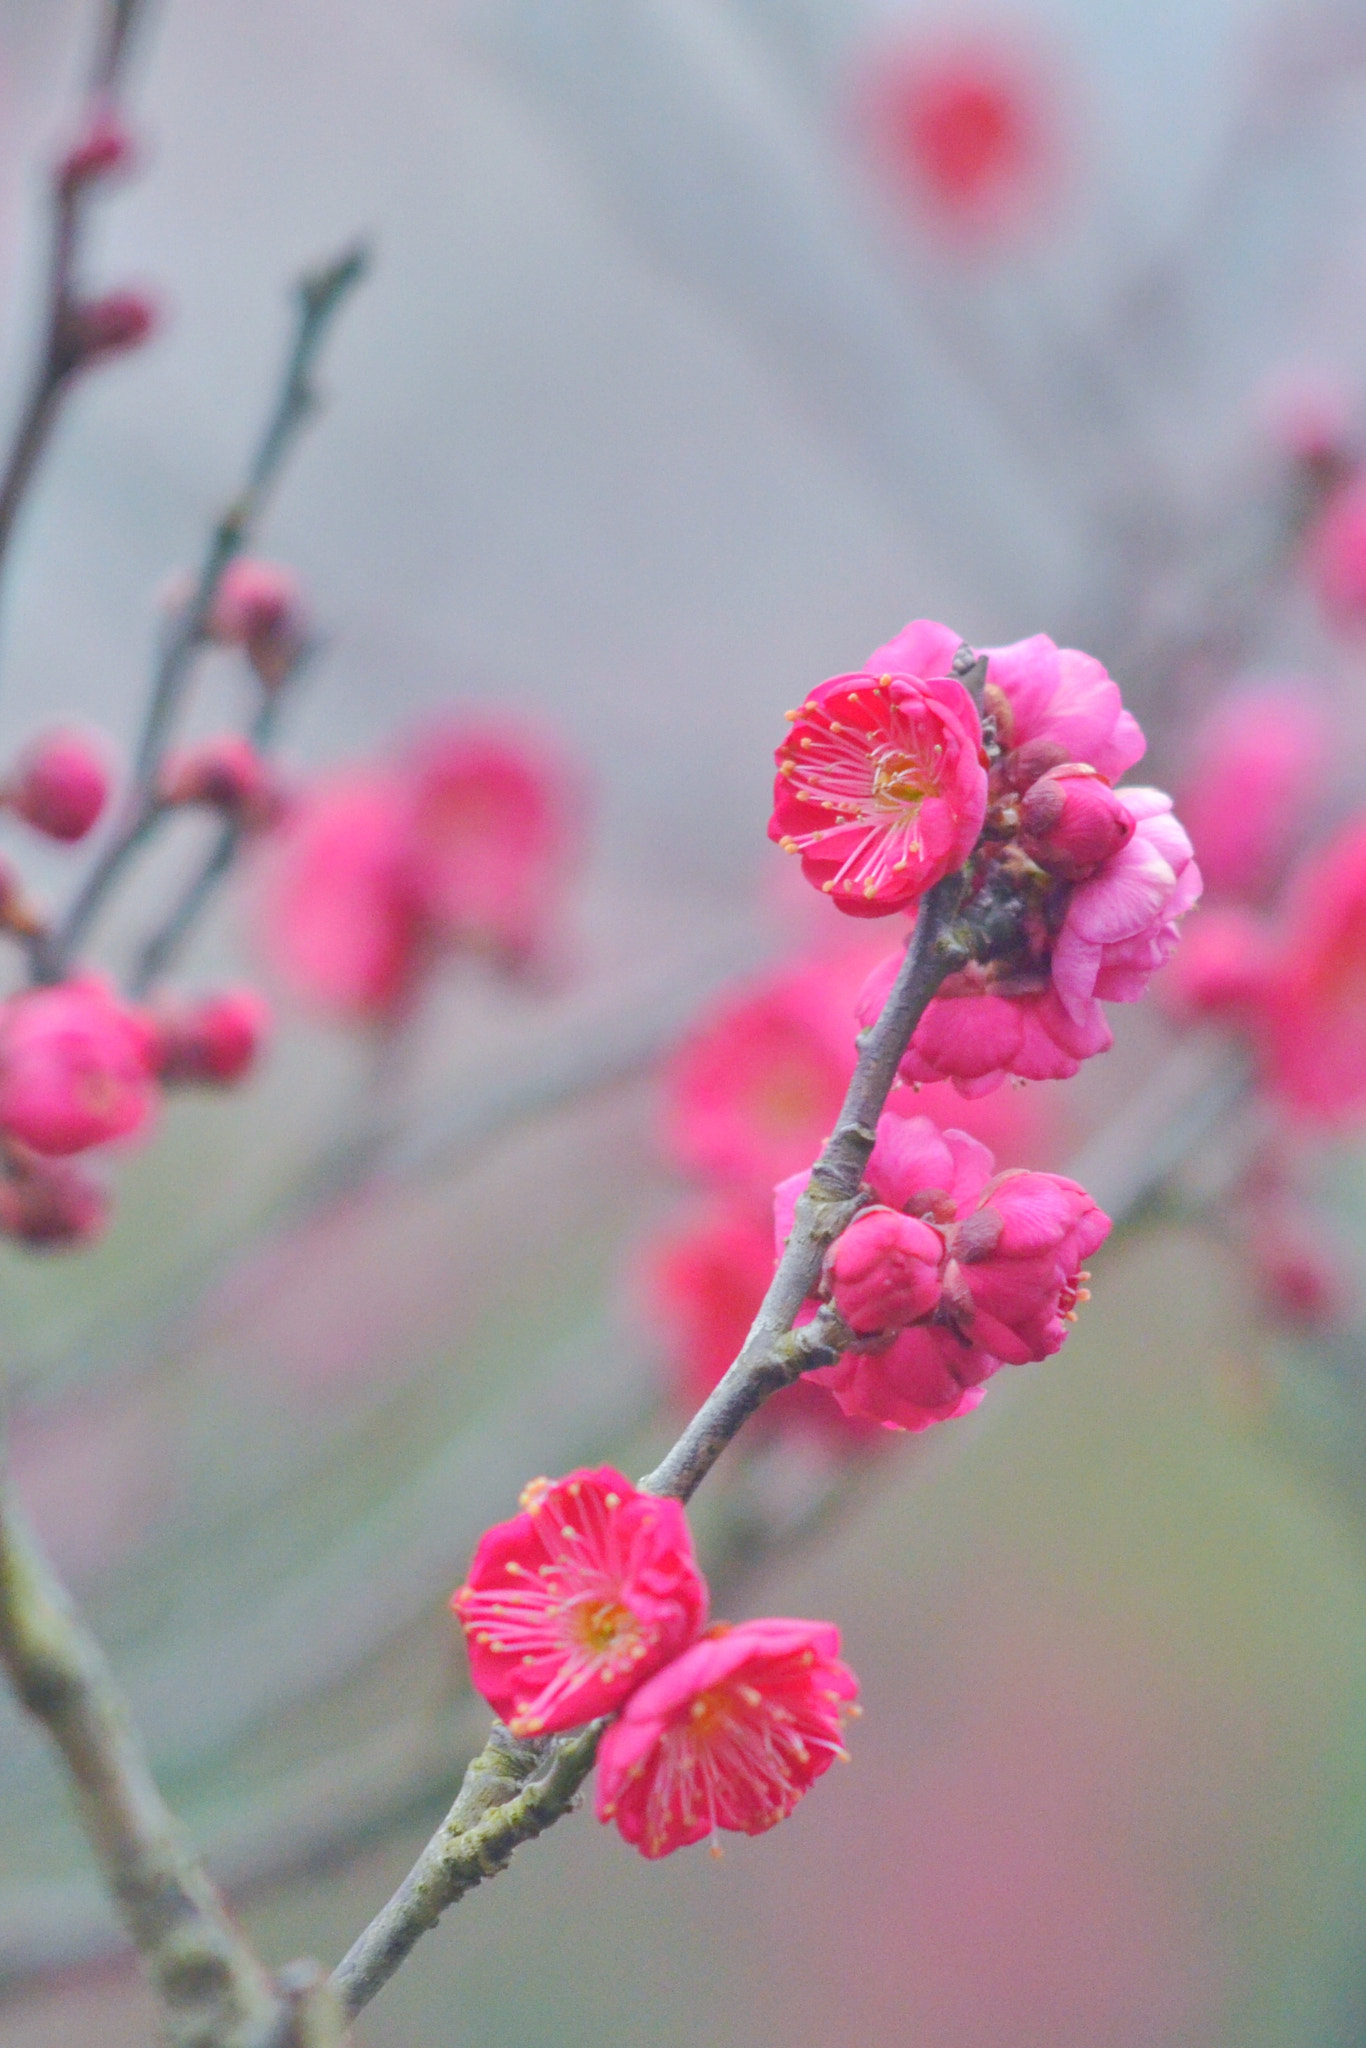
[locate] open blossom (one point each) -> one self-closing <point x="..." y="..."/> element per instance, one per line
<point x="1101" y="939"/>
<point x="572" y="1603"/>
<point x="60" y="784"/>
<point x="729" y="1735"/>
<point x="881" y="784"/>
<point x="77" y="1068"/>
<point x="1255" y="776"/>
<point x="1010" y="1277"/>
<point x="701" y="1281"/>
<point x="755" y="1087"/>
<point x="493" y="835"/>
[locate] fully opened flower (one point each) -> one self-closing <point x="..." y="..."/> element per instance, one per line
<point x="575" y="1601"/>
<point x="881" y="785"/>
<point x="77" y="1068"/>
<point x="729" y="1735"/>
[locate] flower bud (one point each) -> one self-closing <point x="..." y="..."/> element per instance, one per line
<point x="228" y="774"/>
<point x="884" y="1271"/>
<point x="60" y="785"/>
<point x="217" y="1040"/>
<point x="76" y="1068"/>
<point x="110" y="325"/>
<point x="259" y="607"/>
<point x="103" y="149"/>
<point x="50" y="1203"/>
<point x="1071" y="822"/>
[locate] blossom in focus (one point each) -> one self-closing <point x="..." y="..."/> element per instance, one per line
<point x="756" y="1086"/>
<point x="259" y="606"/>
<point x="49" y="1204"/>
<point x="572" y="1603"/>
<point x="217" y="1040"/>
<point x="1255" y="775"/>
<point x="60" y="784"/>
<point x="1039" y="1015"/>
<point x="962" y="128"/>
<point x="730" y="1735"/>
<point x="1072" y="822"/>
<point x="340" y="925"/>
<point x="493" y="836"/>
<point x="229" y="775"/>
<point x="1335" y="557"/>
<point x="1010" y="1278"/>
<point x="881" y="785"/>
<point x="77" y="1068"/>
<point x="1055" y="704"/>
<point x="701" y="1280"/>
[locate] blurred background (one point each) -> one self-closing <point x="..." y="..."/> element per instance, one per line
<point x="707" y="342"/>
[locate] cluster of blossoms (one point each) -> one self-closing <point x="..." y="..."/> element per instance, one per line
<point x="466" y="843"/>
<point x="890" y="780"/>
<point x="590" y="1603"/>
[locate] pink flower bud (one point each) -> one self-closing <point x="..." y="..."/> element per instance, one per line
<point x="259" y="607"/>
<point x="50" y="1203"/>
<point x="1300" y="1282"/>
<point x="1019" y="1255"/>
<point x="111" y="325"/>
<point x="228" y="774"/>
<point x="1071" y="822"/>
<point x="103" y="149"/>
<point x="884" y="1271"/>
<point x="217" y="1040"/>
<point x="76" y="1068"/>
<point x="1335" y="557"/>
<point x="60" y="785"/>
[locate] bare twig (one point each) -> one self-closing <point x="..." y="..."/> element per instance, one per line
<point x="59" y="356"/>
<point x="320" y="295"/>
<point x="215" y="1993"/>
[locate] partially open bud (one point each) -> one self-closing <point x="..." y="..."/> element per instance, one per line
<point x="60" y="785"/>
<point x="110" y="325"/>
<point x="50" y="1204"/>
<point x="228" y="774"/>
<point x="216" y="1041"/>
<point x="103" y="149"/>
<point x="884" y="1271"/>
<point x="1071" y="822"/>
<point x="259" y="607"/>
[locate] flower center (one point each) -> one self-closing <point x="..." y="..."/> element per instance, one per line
<point x="898" y="782"/>
<point x="598" y="1626"/>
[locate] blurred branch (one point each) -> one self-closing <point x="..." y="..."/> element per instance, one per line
<point x="215" y="1992"/>
<point x="58" y="357"/>
<point x="320" y="295"/>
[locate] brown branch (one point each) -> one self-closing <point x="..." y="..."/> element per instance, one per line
<point x="214" y="1991"/>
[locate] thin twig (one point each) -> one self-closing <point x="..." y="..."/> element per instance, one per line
<point x="320" y="295"/>
<point x="59" y="356"/>
<point x="215" y="1993"/>
<point x="474" y="1842"/>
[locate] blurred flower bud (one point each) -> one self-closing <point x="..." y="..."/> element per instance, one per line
<point x="1301" y="1284"/>
<point x="1335" y="557"/>
<point x="76" y="1068"/>
<point x="217" y="1040"/>
<point x="259" y="607"/>
<point x="110" y="325"/>
<point x="103" y="149"/>
<point x="60" y="784"/>
<point x="50" y="1204"/>
<point x="1071" y="822"/>
<point x="228" y="774"/>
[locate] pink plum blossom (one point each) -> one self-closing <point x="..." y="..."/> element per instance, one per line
<point x="228" y="774"/>
<point x="572" y="1603"/>
<point x="216" y="1040"/>
<point x="883" y="1272"/>
<point x="77" y="1068"/>
<point x="731" y="1734"/>
<point x="1056" y="701"/>
<point x="881" y="785"/>
<point x="259" y="606"/>
<point x="1072" y="822"/>
<point x="1255" y="776"/>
